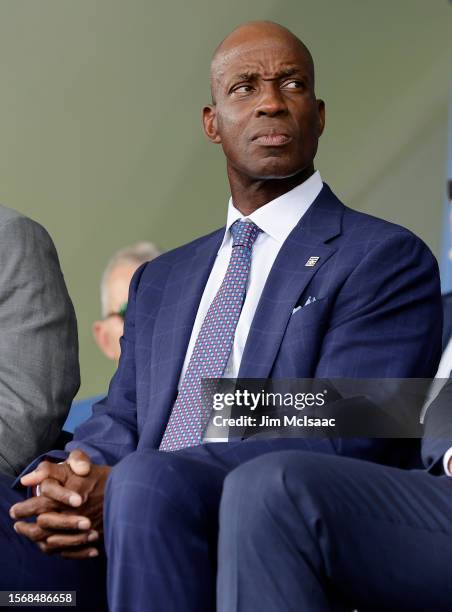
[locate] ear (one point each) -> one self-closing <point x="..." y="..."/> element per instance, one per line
<point x="321" y="114"/>
<point x="102" y="339"/>
<point x="209" y="121"/>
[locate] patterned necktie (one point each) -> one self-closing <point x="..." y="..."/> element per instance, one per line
<point x="213" y="345"/>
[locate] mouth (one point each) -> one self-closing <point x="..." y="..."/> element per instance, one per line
<point x="272" y="139"/>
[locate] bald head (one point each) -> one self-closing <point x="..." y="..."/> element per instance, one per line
<point x="262" y="33"/>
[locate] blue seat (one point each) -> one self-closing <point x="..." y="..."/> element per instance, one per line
<point x="80" y="411"/>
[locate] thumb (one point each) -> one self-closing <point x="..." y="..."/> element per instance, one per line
<point x="79" y="462"/>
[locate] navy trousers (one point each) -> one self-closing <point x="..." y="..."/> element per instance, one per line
<point x="301" y="532"/>
<point x="161" y="527"/>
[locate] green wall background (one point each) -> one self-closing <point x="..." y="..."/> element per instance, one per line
<point x="100" y="133"/>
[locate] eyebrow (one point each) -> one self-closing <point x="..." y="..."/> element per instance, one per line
<point x="252" y="75"/>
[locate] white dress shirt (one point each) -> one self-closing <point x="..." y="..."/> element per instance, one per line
<point x="276" y="219"/>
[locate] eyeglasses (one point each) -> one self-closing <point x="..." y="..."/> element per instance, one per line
<point x="121" y="312"/>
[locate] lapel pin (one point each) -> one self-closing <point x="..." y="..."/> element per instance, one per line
<point x="311" y="262"/>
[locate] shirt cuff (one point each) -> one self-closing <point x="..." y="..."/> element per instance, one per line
<point x="446" y="458"/>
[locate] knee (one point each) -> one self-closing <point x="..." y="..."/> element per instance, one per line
<point x="263" y="486"/>
<point x="252" y="491"/>
<point x="146" y="486"/>
<point x="131" y="470"/>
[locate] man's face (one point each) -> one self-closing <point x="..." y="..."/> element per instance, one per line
<point x="109" y="330"/>
<point x="266" y="115"/>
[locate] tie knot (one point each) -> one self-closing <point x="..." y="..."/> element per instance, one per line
<point x="244" y="233"/>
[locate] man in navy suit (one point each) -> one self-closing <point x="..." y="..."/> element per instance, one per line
<point x="318" y="533"/>
<point x="296" y="285"/>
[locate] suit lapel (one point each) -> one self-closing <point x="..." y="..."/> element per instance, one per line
<point x="288" y="278"/>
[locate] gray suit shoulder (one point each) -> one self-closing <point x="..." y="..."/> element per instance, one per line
<point x="23" y="226"/>
<point x="7" y="214"/>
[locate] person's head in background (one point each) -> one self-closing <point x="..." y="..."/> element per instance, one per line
<point x="114" y="290"/>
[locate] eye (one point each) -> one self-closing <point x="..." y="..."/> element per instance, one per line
<point x="240" y="89"/>
<point x="293" y="84"/>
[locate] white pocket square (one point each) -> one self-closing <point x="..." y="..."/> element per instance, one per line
<point x="309" y="300"/>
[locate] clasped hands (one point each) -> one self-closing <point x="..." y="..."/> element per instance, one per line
<point x="69" y="510"/>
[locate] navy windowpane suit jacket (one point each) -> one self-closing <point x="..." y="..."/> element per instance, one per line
<point x="377" y="313"/>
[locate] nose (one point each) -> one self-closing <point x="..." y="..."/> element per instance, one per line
<point x="271" y="101"/>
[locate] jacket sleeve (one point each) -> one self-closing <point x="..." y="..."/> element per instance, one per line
<point x="39" y="371"/>
<point x="438" y="430"/>
<point x="111" y="433"/>
<point x="386" y="324"/>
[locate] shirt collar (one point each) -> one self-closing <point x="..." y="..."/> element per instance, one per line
<point x="278" y="217"/>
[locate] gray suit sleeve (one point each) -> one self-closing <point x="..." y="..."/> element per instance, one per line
<point x="39" y="370"/>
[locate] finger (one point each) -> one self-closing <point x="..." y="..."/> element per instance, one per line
<point x="59" y="521"/>
<point x="32" y="531"/>
<point x="44" y="548"/>
<point x="83" y="553"/>
<point x="53" y="490"/>
<point x="45" y="469"/>
<point x="31" y="507"/>
<point x="63" y="541"/>
<point x="79" y="462"/>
